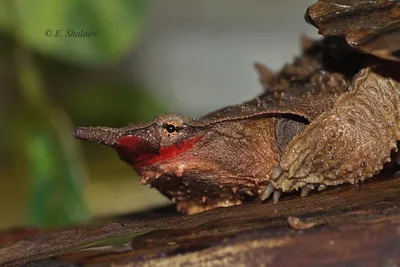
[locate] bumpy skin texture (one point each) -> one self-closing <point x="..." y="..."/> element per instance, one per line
<point x="236" y="149"/>
<point x="330" y="117"/>
<point x="349" y="143"/>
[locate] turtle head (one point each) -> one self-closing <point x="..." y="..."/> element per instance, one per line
<point x="198" y="165"/>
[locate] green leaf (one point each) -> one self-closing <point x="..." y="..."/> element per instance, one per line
<point x="114" y="27"/>
<point x="42" y="135"/>
<point x="57" y="200"/>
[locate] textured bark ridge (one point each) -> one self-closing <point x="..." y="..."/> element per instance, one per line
<point x="370" y="26"/>
<point x="342" y="226"/>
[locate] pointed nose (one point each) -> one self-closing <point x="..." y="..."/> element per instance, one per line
<point x="78" y="132"/>
<point x="103" y="135"/>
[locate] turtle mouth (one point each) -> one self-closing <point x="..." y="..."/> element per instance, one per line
<point x="139" y="152"/>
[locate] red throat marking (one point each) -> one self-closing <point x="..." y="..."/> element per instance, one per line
<point x="137" y="151"/>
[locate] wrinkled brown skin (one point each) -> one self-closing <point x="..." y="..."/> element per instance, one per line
<point x="230" y="162"/>
<point x="349" y="143"/>
<point x="331" y="117"/>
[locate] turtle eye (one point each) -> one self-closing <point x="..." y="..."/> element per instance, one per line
<point x="170" y="128"/>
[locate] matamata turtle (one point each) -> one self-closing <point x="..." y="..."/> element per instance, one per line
<point x="330" y="117"/>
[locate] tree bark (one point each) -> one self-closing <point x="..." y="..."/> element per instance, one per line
<point x="349" y="225"/>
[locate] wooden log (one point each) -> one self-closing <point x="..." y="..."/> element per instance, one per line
<point x="349" y="225"/>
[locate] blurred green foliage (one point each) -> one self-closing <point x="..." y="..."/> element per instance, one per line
<point x="41" y="126"/>
<point x="117" y="24"/>
<point x="120" y="106"/>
